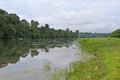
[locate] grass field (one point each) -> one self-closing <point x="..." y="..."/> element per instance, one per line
<point x="105" y="65"/>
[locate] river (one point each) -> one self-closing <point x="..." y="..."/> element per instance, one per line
<point x="36" y="60"/>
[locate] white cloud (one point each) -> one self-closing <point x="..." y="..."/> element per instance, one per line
<point x="85" y="15"/>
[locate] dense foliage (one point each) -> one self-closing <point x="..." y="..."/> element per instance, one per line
<point x="115" y="33"/>
<point x="92" y="35"/>
<point x="11" y="27"/>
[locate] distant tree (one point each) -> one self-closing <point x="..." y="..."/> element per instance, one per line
<point x="8" y="31"/>
<point x="1" y="33"/>
<point x="3" y="20"/>
<point x="25" y="23"/>
<point x="13" y="19"/>
<point x="3" y="12"/>
<point x="92" y="35"/>
<point x="11" y="27"/>
<point x="115" y="33"/>
<point x="46" y="26"/>
<point x="34" y="23"/>
<point x="77" y="31"/>
<point x="68" y="29"/>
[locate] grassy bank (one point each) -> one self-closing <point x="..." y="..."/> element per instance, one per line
<point x="105" y="65"/>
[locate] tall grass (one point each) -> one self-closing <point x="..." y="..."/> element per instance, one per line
<point x="104" y="66"/>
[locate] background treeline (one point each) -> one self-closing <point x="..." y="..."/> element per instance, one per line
<point x="115" y="33"/>
<point x="11" y="27"/>
<point x="92" y="35"/>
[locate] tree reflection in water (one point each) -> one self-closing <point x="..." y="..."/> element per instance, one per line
<point x="11" y="51"/>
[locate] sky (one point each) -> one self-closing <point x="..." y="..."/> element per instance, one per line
<point x="102" y="16"/>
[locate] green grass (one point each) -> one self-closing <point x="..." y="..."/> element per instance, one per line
<point x="104" y="66"/>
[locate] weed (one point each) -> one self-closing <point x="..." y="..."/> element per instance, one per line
<point x="104" y="66"/>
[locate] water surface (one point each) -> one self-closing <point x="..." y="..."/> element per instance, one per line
<point x="35" y="60"/>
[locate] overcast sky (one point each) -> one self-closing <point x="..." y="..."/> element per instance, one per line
<point x="85" y="15"/>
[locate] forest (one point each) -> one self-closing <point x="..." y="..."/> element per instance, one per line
<point x="92" y="35"/>
<point x="11" y="27"/>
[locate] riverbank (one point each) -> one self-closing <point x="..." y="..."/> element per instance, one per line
<point x="105" y="63"/>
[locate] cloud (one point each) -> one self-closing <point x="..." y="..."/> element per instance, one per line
<point x="85" y="15"/>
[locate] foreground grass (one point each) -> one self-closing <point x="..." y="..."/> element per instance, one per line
<point x="105" y="65"/>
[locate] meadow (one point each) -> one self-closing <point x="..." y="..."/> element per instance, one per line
<point x="105" y="63"/>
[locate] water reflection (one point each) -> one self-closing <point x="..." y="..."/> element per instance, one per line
<point x="11" y="51"/>
<point x="35" y="60"/>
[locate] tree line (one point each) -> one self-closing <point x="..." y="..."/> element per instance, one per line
<point x="92" y="35"/>
<point x="11" y="27"/>
<point x="115" y="34"/>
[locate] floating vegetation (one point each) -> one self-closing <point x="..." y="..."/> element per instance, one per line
<point x="47" y="66"/>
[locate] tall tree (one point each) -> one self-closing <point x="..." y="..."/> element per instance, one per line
<point x="34" y="23"/>
<point x="115" y="33"/>
<point x="13" y="19"/>
<point x="46" y="26"/>
<point x="25" y="23"/>
<point x="12" y="28"/>
<point x="3" y="12"/>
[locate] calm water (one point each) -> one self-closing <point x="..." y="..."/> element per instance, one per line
<point x="35" y="60"/>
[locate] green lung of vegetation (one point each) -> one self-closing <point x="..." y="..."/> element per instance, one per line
<point x="92" y="35"/>
<point x="105" y="65"/>
<point x="115" y="33"/>
<point x="11" y="27"/>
